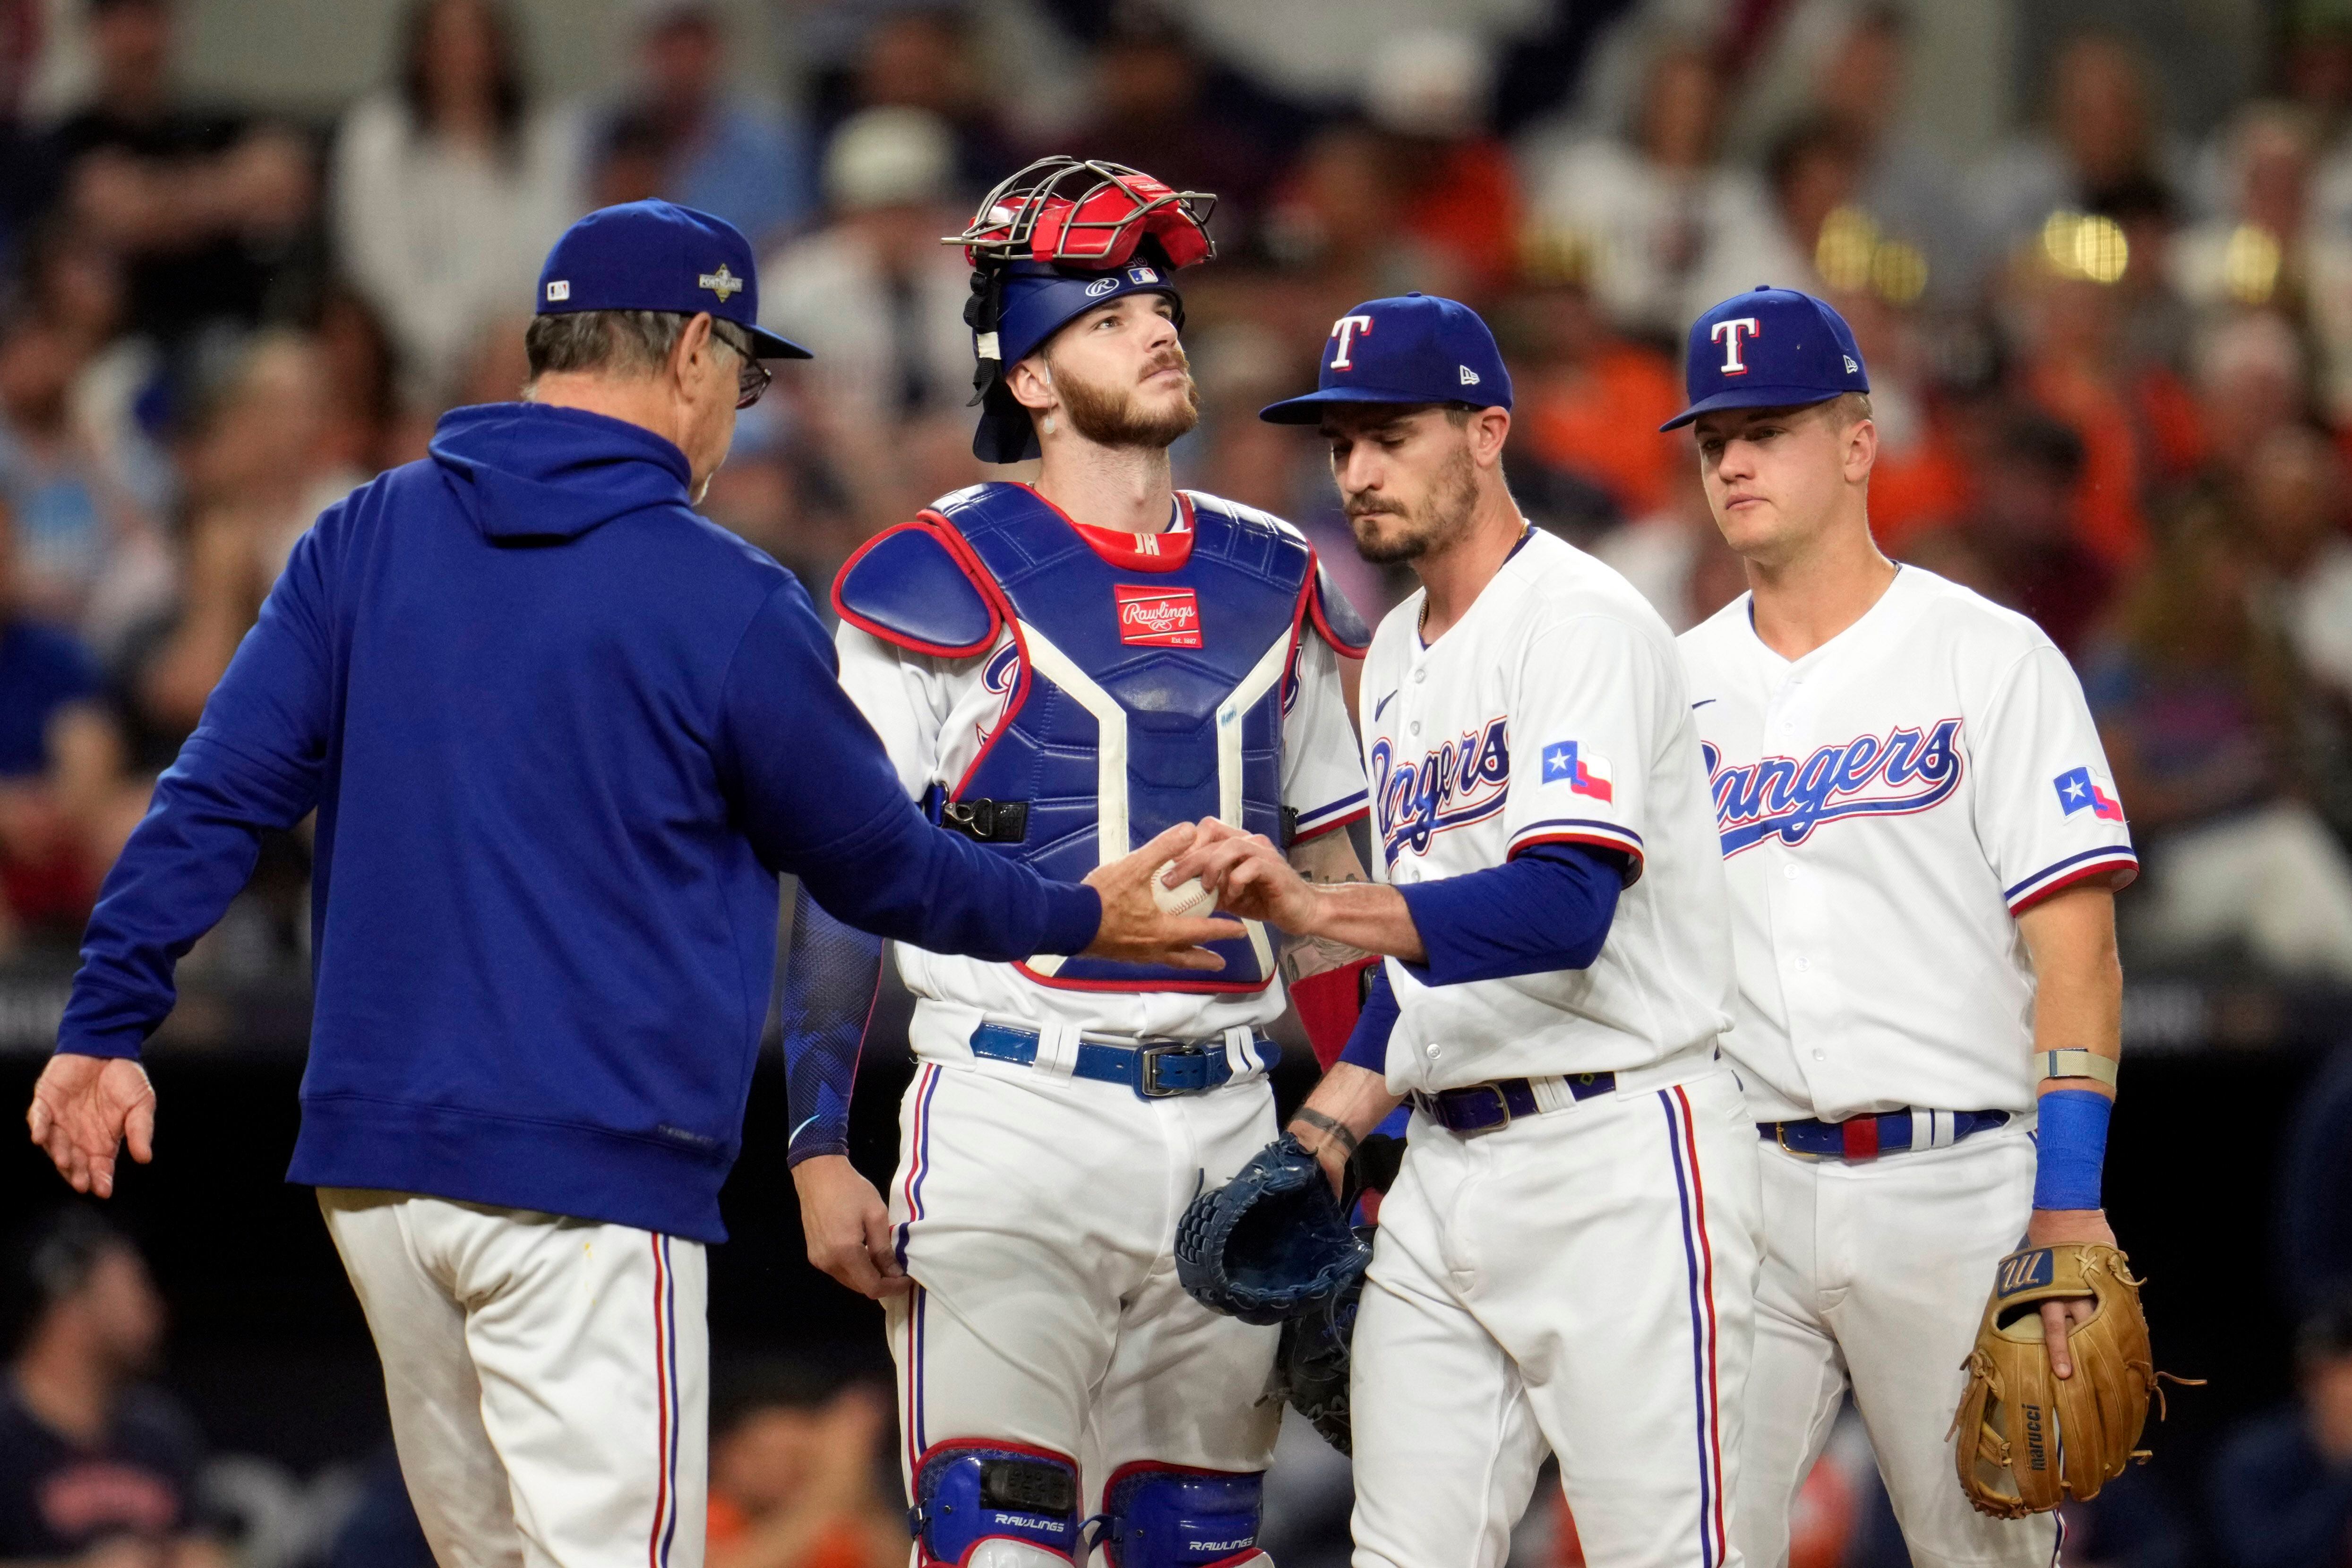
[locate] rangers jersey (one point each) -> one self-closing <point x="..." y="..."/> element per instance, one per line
<point x="1100" y="688"/>
<point x="1552" y="712"/>
<point x="1887" y="805"/>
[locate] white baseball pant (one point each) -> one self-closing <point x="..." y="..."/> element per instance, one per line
<point x="1578" y="1281"/>
<point x="1035" y="1214"/>
<point x="1875" y="1277"/>
<point x="548" y="1379"/>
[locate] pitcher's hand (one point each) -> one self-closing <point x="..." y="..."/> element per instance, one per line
<point x="1135" y="929"/>
<point x="847" y="1228"/>
<point x="1250" y="877"/>
<point x="84" y="1108"/>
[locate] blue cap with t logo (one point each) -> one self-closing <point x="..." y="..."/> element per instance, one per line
<point x="1769" y="348"/>
<point x="1413" y="348"/>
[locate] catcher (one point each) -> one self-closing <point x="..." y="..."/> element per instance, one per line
<point x="1923" y="843"/>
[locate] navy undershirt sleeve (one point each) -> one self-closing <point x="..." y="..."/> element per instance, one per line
<point x="1367" y="1043"/>
<point x="1548" y="909"/>
<point x="817" y="797"/>
<point x="832" y="973"/>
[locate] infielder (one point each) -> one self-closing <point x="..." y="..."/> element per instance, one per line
<point x="1059" y="671"/>
<point x="1923" y="843"/>
<point x="560" y="735"/>
<point x="1567" y="1258"/>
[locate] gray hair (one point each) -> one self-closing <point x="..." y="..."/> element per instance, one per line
<point x="617" y="342"/>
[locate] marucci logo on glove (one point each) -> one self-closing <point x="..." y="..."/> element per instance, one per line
<point x="1157" y="617"/>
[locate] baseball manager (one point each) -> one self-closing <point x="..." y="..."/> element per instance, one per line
<point x="562" y="735"/>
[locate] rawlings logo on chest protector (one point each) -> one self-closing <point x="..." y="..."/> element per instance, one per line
<point x="1786" y="798"/>
<point x="1157" y="617"/>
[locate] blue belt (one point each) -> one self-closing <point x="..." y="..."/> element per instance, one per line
<point x="1861" y="1138"/>
<point x="1476" y="1107"/>
<point x="1157" y="1071"/>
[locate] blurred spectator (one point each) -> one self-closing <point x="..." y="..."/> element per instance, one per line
<point x="1429" y="93"/>
<point x="1153" y="108"/>
<point x="96" y="1464"/>
<point x="2022" y="544"/>
<point x="64" y="807"/>
<point x="449" y="189"/>
<point x="921" y="56"/>
<point x="2282" y="1490"/>
<point x="719" y="150"/>
<point x="2196" y="702"/>
<point x="1675" y="556"/>
<point x="2295" y="513"/>
<point x="1813" y="173"/>
<point x="217" y="213"/>
<point x="1589" y="399"/>
<point x="2251" y="380"/>
<point x="2101" y="136"/>
<point x="1903" y="182"/>
<point x="796" y="1476"/>
<point x="259" y="467"/>
<point x="1655" y="202"/>
<point x="70" y="519"/>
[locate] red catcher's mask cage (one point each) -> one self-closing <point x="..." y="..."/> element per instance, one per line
<point x="1085" y="213"/>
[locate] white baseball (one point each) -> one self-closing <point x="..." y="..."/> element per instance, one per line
<point x="1186" y="898"/>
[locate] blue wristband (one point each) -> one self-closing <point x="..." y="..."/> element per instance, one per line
<point x="2072" y="1146"/>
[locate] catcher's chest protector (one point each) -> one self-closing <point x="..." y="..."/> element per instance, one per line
<point x="1139" y="699"/>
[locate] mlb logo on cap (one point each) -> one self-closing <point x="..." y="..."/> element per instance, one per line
<point x="1769" y="348"/>
<point x="1413" y="348"/>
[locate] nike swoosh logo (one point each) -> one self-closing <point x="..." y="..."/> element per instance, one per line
<point x="1383" y="706"/>
<point x="1700" y="704"/>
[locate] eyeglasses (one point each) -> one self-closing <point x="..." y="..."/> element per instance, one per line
<point x="753" y="380"/>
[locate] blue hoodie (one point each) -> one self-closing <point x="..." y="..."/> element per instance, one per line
<point x="562" y="735"/>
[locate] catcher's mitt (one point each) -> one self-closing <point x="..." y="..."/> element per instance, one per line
<point x="2030" y="1438"/>
<point x="1269" y="1244"/>
<point x="1310" y="1367"/>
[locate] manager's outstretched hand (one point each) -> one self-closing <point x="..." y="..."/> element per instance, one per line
<point x="1135" y="929"/>
<point x="84" y="1108"/>
<point x="1250" y="877"/>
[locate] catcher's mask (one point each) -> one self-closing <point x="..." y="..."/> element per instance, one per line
<point x="1060" y="237"/>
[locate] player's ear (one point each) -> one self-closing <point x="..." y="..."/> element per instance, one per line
<point x="693" y="339"/>
<point x="1490" y="428"/>
<point x="1861" y="450"/>
<point x="1031" y="381"/>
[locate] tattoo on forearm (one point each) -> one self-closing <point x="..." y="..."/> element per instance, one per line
<point x="1336" y="1130"/>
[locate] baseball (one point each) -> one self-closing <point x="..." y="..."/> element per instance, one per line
<point x="1186" y="898"/>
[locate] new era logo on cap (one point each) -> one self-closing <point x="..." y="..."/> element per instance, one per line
<point x="1469" y="376"/>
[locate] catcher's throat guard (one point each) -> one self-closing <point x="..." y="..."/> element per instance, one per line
<point x="1051" y="243"/>
<point x="2029" y="1438"/>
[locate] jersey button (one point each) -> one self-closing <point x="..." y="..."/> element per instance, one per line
<point x="1432" y="1050"/>
<point x="1821" y="1056"/>
<point x="1789" y="872"/>
<point x="1802" y="964"/>
<point x="1415" y="727"/>
<point x="1421" y="674"/>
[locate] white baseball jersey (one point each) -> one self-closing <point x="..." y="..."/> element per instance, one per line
<point x="1887" y="804"/>
<point x="1552" y="712"/>
<point x="935" y="714"/>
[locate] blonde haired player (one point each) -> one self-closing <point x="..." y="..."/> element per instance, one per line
<point x="1922" y="842"/>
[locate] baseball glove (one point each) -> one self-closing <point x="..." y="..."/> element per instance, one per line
<point x="1271" y="1243"/>
<point x="2029" y="1438"/>
<point x="1311" y="1363"/>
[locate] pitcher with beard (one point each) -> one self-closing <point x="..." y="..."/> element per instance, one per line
<point x="1059" y="670"/>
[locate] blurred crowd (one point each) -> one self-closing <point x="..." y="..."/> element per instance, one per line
<point x="2112" y="359"/>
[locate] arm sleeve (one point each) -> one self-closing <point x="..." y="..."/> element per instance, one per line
<point x="2046" y="807"/>
<point x="1545" y="910"/>
<point x="1368" y="1045"/>
<point x="255" y="762"/>
<point x="817" y="795"/>
<point x="832" y="974"/>
<point x="1322" y="767"/>
<point x="1585" y="714"/>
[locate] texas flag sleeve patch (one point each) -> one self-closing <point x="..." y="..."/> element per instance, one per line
<point x="2078" y="791"/>
<point x="1584" y="772"/>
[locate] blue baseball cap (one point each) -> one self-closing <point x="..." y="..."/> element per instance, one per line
<point x="1038" y="299"/>
<point x="655" y="256"/>
<point x="1413" y="348"/>
<point x="1769" y="348"/>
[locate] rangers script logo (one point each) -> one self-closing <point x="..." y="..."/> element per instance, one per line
<point x="1463" y="781"/>
<point x="1157" y="617"/>
<point x="1783" y="798"/>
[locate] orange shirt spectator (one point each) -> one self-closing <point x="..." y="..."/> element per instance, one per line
<point x="1598" y="419"/>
